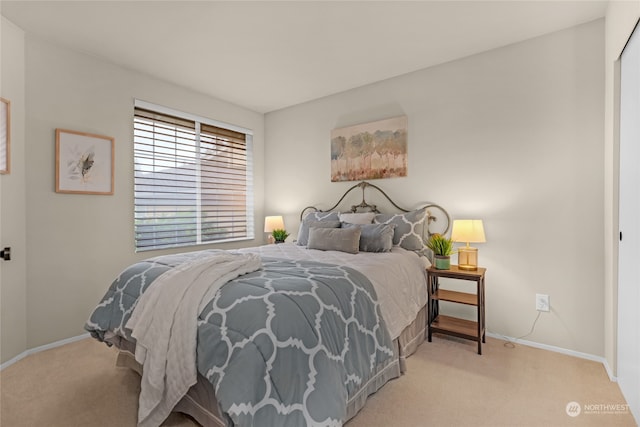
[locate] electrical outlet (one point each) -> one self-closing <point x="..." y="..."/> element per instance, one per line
<point x="542" y="302"/>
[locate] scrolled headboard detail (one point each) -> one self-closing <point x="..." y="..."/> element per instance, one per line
<point x="364" y="206"/>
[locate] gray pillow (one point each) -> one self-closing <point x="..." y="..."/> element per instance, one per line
<point x="374" y="237"/>
<point x="410" y="228"/>
<point x="315" y="218"/>
<point x="335" y="239"/>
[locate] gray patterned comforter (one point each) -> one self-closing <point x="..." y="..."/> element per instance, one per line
<point x="291" y="344"/>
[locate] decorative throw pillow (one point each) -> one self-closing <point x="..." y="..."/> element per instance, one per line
<point x="374" y="237"/>
<point x="335" y="239"/>
<point x="410" y="228"/>
<point x="358" y="218"/>
<point x="316" y="217"/>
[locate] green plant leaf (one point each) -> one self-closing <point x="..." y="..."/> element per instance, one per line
<point x="440" y="245"/>
<point x="280" y="234"/>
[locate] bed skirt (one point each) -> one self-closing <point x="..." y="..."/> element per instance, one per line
<point x="200" y="402"/>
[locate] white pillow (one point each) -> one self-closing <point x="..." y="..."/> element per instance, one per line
<point x="358" y="218"/>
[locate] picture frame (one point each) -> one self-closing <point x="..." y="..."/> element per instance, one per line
<point x="5" y="136"/>
<point x="84" y="163"/>
<point x="371" y="150"/>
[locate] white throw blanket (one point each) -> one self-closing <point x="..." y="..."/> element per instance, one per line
<point x="164" y="324"/>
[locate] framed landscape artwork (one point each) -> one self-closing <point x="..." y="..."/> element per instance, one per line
<point x="369" y="150"/>
<point x="5" y="136"/>
<point x="84" y="163"/>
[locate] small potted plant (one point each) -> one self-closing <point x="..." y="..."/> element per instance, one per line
<point x="279" y="235"/>
<point x="442" y="248"/>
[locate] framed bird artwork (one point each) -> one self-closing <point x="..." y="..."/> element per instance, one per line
<point x="84" y="163"/>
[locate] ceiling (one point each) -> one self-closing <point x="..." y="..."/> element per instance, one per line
<point x="267" y="55"/>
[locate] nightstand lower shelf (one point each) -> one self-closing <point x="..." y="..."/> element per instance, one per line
<point x="461" y="328"/>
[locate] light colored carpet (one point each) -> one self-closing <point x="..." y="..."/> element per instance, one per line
<point x="447" y="384"/>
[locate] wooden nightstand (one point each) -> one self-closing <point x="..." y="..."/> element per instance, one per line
<point x="449" y="325"/>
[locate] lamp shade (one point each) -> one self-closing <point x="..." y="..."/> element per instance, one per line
<point x="468" y="231"/>
<point x="273" y="223"/>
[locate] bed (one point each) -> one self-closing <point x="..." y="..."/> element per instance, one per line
<point x="288" y="334"/>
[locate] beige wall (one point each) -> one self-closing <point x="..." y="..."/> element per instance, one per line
<point x="621" y="18"/>
<point x="512" y="136"/>
<point x="13" y="322"/>
<point x="79" y="243"/>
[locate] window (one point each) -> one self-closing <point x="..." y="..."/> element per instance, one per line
<point x="193" y="180"/>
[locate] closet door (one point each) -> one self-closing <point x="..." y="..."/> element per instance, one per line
<point x="628" y="266"/>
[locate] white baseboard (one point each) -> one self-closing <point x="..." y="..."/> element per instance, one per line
<point x="42" y="348"/>
<point x="559" y="350"/>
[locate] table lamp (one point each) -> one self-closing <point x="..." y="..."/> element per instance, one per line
<point x="271" y="223"/>
<point x="469" y="231"/>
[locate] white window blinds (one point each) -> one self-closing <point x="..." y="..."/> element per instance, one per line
<point x="193" y="182"/>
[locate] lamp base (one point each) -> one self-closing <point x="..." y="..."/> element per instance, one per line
<point x="468" y="258"/>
